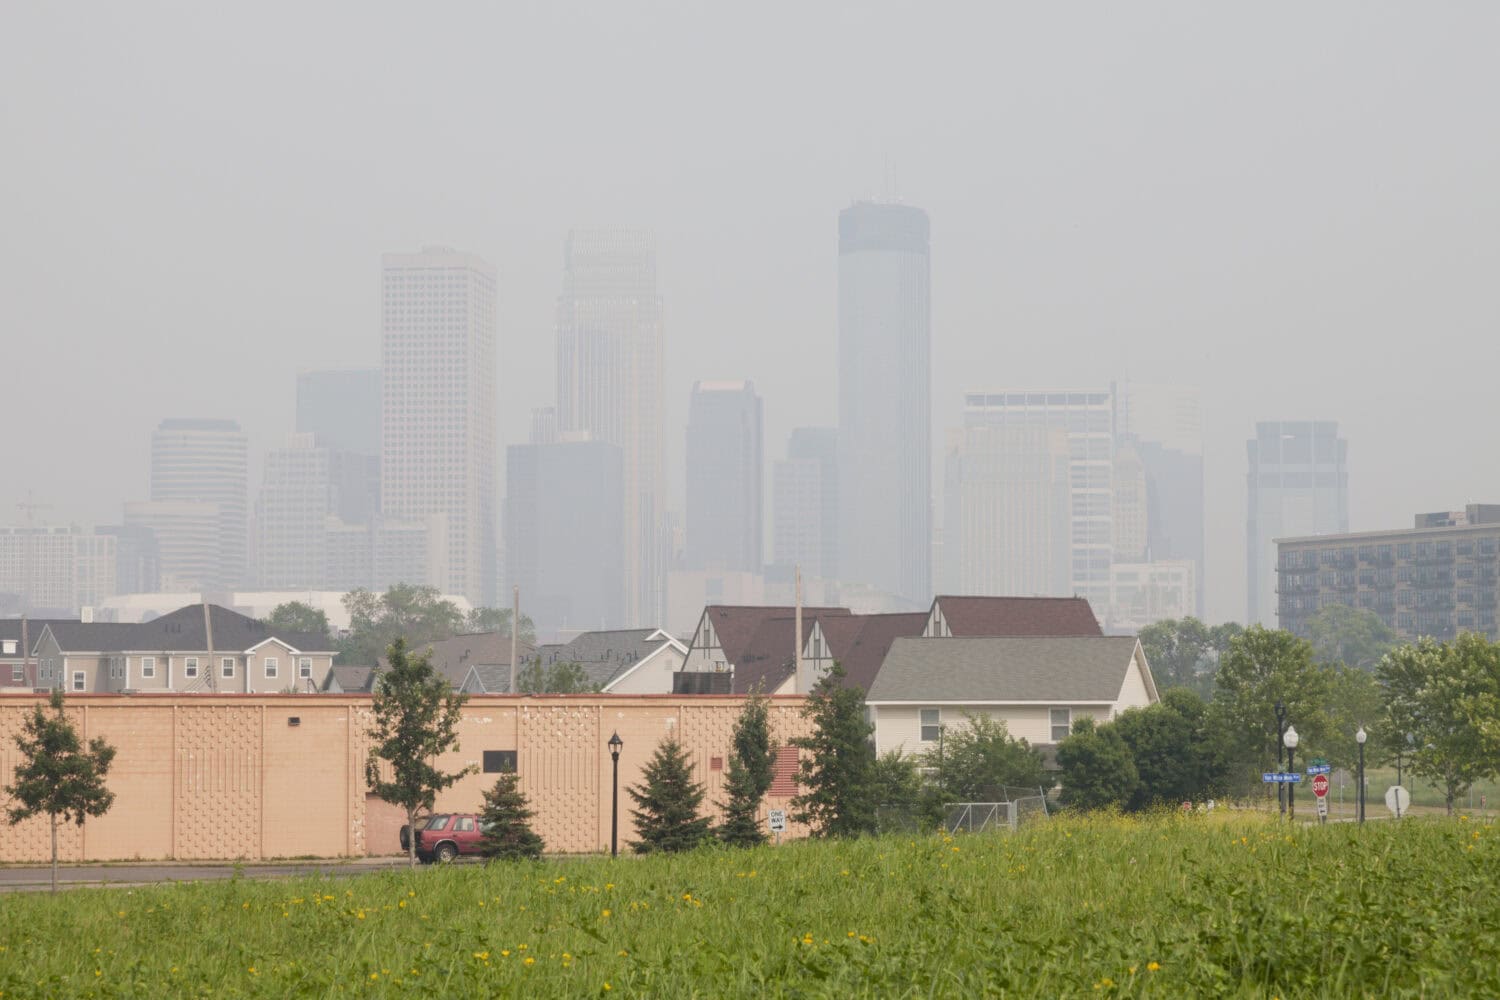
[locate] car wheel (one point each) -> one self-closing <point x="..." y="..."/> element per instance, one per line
<point x="446" y="853"/>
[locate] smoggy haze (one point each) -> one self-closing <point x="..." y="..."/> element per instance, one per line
<point x="1295" y="209"/>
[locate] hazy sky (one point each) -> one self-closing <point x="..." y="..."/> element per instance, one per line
<point x="1295" y="207"/>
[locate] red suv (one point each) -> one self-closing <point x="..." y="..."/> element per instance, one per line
<point x="447" y="835"/>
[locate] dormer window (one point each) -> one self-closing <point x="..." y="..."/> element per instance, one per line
<point x="8" y="647"/>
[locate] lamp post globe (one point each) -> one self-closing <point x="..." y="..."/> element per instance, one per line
<point x="1360" y="738"/>
<point x="1290" y="739"/>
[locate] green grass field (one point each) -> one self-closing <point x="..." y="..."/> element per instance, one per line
<point x="1167" y="906"/>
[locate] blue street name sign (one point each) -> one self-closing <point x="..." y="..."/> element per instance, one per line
<point x="1320" y="769"/>
<point x="1280" y="777"/>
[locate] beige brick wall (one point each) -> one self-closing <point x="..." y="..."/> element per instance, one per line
<point x="216" y="776"/>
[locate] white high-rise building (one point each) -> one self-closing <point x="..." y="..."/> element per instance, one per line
<point x="56" y="568"/>
<point x="1087" y="418"/>
<point x="207" y="462"/>
<point x="438" y="425"/>
<point x="1007" y="519"/>
<point x="296" y="499"/>
<point x="609" y="386"/>
<point x="885" y="408"/>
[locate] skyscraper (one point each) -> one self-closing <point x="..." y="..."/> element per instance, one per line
<point x="207" y="462"/>
<point x="291" y="516"/>
<point x="341" y="409"/>
<point x="1007" y="520"/>
<point x="885" y="411"/>
<point x="806" y="504"/>
<point x="609" y="386"/>
<point x="1163" y="424"/>
<point x="1298" y="485"/>
<point x="725" y="464"/>
<point x="564" y="545"/>
<point x="1086" y="417"/>
<point x="438" y="417"/>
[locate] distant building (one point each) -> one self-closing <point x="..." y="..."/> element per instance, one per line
<point x="620" y="661"/>
<point x="1086" y="416"/>
<point x="1298" y="485"/>
<point x="725" y="465"/>
<point x="197" y="461"/>
<point x="1438" y="578"/>
<point x="805" y="504"/>
<point x="609" y="387"/>
<point x="1143" y="593"/>
<point x="137" y="558"/>
<point x="56" y="569"/>
<point x="189" y="541"/>
<point x="885" y="406"/>
<point x="1008" y="522"/>
<point x="438" y="404"/>
<point x="1163" y="425"/>
<point x="565" y="533"/>
<point x="341" y="410"/>
<point x="291" y="514"/>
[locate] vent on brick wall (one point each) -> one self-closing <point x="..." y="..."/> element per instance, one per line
<point x="716" y="763"/>
<point x="784" y="781"/>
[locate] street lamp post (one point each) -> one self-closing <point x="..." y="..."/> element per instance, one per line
<point x="1360" y="738"/>
<point x="1280" y="732"/>
<point x="1290" y="739"/>
<point x="615" y="743"/>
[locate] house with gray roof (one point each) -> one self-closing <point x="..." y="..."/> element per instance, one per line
<point x="618" y="661"/>
<point x="1037" y="685"/>
<point x="201" y="648"/>
<point x="18" y="641"/>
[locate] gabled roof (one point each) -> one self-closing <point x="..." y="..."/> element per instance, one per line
<point x="10" y="628"/>
<point x="736" y="625"/>
<point x="770" y="656"/>
<point x="984" y="669"/>
<point x="484" y="679"/>
<point x="453" y="657"/>
<point x="1018" y="615"/>
<point x="181" y="631"/>
<point x="606" y="655"/>
<point x="351" y="680"/>
<point x="93" y="637"/>
<point x="858" y="643"/>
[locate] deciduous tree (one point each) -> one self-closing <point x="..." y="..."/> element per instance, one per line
<point x="416" y="720"/>
<point x="669" y="801"/>
<point x="57" y="777"/>
<point x="418" y="615"/>
<point x="1354" y="637"/>
<point x="1429" y="688"/>
<point x="1178" y="755"/>
<point x="557" y="678"/>
<point x="1264" y="667"/>
<point x="498" y="620"/>
<point x="296" y="616"/>
<point x="973" y="761"/>
<point x="1097" y="771"/>
<point x="838" y="797"/>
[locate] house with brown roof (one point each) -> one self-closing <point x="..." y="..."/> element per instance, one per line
<point x="1013" y="616"/>
<point x="756" y="646"/>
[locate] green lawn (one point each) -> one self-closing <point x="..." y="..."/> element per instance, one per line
<point x="1167" y="906"/>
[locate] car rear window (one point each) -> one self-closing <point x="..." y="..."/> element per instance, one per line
<point x="465" y="824"/>
<point x="437" y="823"/>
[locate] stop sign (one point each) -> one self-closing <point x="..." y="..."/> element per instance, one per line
<point x="1320" y="785"/>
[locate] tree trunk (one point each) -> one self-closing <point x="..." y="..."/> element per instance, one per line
<point x="1449" y="801"/>
<point x="53" y="817"/>
<point x="411" y="837"/>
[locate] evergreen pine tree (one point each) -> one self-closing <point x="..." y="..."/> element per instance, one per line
<point x="669" y="799"/>
<point x="508" y="835"/>
<point x="838" y="774"/>
<point x="751" y="770"/>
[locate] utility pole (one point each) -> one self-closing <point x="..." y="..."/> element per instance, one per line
<point x="515" y="628"/>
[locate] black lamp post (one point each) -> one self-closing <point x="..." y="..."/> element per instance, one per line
<point x="615" y="743"/>
<point x="1280" y="732"/>
<point x="1290" y="739"/>
<point x="1360" y="738"/>
<point x="1411" y="741"/>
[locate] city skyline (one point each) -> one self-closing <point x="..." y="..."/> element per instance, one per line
<point x="1274" y="234"/>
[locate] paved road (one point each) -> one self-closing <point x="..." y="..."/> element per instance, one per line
<point x="33" y="877"/>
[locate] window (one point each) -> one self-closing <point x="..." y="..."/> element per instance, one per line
<point x="226" y="666"/>
<point x="465" y="824"/>
<point x="1062" y="724"/>
<point x="304" y="667"/>
<point x="271" y="666"/>
<point x="148" y="666"/>
<point x="78" y="680"/>
<point x="437" y="822"/>
<point x="17" y="674"/>
<point x="932" y="724"/>
<point x="499" y="762"/>
<point x="190" y="667"/>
